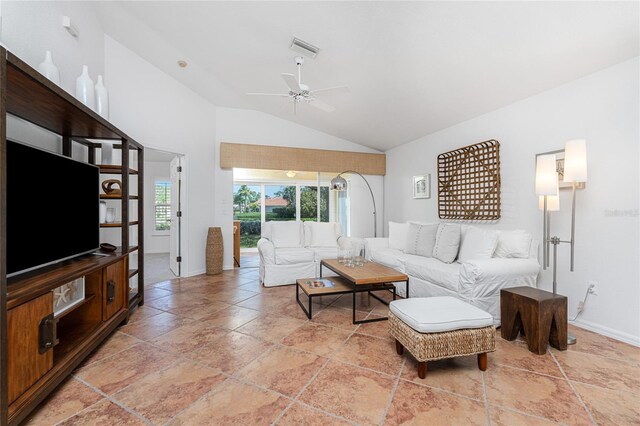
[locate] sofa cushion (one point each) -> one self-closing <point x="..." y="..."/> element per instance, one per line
<point x="477" y="243"/>
<point x="429" y="269"/>
<point x="390" y="257"/>
<point x="286" y="234"/>
<point x="321" y="253"/>
<point x="421" y="239"/>
<point x="447" y="242"/>
<point x="513" y="244"/>
<point x="398" y="235"/>
<point x="292" y="255"/>
<point x="321" y="234"/>
<point x="439" y="314"/>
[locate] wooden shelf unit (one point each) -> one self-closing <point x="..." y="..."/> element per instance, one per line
<point x="26" y="300"/>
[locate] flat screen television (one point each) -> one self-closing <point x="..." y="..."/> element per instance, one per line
<point x="53" y="208"/>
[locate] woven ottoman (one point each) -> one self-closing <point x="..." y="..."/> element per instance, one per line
<point x="433" y="328"/>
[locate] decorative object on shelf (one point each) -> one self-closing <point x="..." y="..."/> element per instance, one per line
<point x="85" y="90"/>
<point x="48" y="69"/>
<point x="103" y="212"/>
<point x="67" y="296"/>
<point x="102" y="99"/>
<point x="574" y="171"/>
<point x="469" y="182"/>
<point x="111" y="215"/>
<point x="422" y="186"/>
<point x="106" y="153"/>
<point x="107" y="247"/>
<point x="215" y="251"/>
<point x="108" y="187"/>
<point x="339" y="183"/>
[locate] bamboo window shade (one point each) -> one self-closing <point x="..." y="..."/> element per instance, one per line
<point x="469" y="182"/>
<point x="245" y="156"/>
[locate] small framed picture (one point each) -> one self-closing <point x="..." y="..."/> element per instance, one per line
<point x="422" y="186"/>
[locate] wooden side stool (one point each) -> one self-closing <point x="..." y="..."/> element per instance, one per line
<point x="433" y="328"/>
<point x="540" y="315"/>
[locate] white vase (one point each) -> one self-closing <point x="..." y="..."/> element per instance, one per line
<point x="102" y="99"/>
<point x="106" y="156"/>
<point x="103" y="212"/>
<point x="85" y="91"/>
<point x="48" y="69"/>
<point x="111" y="215"/>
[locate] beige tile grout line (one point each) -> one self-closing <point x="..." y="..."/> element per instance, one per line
<point x="313" y="378"/>
<point x="486" y="400"/>
<point x="108" y="398"/>
<point x="573" y="388"/>
<point x="393" y="392"/>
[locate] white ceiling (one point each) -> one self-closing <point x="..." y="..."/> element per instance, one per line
<point x="413" y="67"/>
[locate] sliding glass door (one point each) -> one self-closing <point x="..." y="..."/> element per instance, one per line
<point x="305" y="197"/>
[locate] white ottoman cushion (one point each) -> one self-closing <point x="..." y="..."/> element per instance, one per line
<point x="439" y="314"/>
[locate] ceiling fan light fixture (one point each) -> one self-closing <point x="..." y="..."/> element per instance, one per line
<point x="304" y="48"/>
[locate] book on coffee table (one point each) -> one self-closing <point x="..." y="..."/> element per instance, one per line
<point x="319" y="283"/>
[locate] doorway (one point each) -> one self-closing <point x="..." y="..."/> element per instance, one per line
<point x="261" y="196"/>
<point x="163" y="215"/>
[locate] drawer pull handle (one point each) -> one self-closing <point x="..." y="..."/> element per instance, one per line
<point x="47" y="338"/>
<point x="111" y="291"/>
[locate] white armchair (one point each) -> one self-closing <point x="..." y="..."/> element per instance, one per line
<point x="292" y="250"/>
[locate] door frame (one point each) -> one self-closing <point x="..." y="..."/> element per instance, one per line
<point x="184" y="206"/>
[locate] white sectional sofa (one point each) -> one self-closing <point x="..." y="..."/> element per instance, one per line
<point x="483" y="262"/>
<point x="292" y="250"/>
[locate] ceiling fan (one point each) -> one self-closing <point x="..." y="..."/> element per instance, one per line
<point x="302" y="93"/>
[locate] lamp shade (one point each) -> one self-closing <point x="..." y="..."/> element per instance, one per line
<point x="338" y="183"/>
<point x="546" y="176"/>
<point x="553" y="203"/>
<point x="575" y="161"/>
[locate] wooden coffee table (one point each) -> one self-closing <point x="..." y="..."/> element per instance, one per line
<point x="368" y="278"/>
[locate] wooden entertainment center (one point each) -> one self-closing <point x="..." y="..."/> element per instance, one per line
<point x="37" y="349"/>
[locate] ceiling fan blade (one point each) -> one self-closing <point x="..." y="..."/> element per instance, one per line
<point x="322" y="105"/>
<point x="331" y="90"/>
<point x="291" y="81"/>
<point x="269" y="94"/>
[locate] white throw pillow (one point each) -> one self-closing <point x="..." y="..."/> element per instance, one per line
<point x="398" y="235"/>
<point x="321" y="234"/>
<point x="477" y="243"/>
<point x="513" y="244"/>
<point x="421" y="239"/>
<point x="447" y="242"/>
<point x="286" y="234"/>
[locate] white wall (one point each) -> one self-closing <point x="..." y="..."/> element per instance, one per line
<point x="604" y="109"/>
<point x="253" y="127"/>
<point x="160" y="112"/>
<point x="154" y="241"/>
<point x="31" y="28"/>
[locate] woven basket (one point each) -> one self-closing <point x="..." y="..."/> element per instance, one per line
<point x="215" y="251"/>
<point x="448" y="344"/>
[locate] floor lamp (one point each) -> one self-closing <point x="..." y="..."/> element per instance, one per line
<point x="574" y="172"/>
<point x="339" y="183"/>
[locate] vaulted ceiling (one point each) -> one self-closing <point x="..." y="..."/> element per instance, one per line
<point x="413" y="67"/>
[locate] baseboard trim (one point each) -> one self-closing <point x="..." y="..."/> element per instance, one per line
<point x="609" y="332"/>
<point x="196" y="272"/>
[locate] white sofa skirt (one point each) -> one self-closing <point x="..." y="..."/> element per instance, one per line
<point x="276" y="275"/>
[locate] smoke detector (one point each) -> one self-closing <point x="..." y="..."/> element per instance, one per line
<point x="304" y="48"/>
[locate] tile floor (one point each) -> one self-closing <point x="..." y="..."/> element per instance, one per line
<point x="224" y="350"/>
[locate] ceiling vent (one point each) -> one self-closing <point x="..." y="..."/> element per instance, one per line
<point x="304" y="48"/>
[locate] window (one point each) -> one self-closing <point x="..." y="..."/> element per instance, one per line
<point x="162" y="205"/>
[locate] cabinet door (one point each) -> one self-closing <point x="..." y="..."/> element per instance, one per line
<point x="30" y="338"/>
<point x="113" y="292"/>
